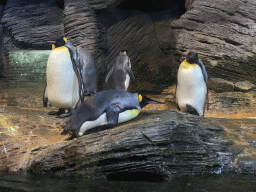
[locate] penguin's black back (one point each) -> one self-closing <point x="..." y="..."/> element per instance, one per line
<point x="96" y="105"/>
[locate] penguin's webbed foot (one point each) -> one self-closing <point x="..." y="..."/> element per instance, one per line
<point x="52" y="113"/>
<point x="88" y="94"/>
<point x="191" y="110"/>
<point x="60" y="112"/>
<point x="64" y="115"/>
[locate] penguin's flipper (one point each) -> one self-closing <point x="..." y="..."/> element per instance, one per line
<point x="129" y="71"/>
<point x="113" y="114"/>
<point x="76" y="68"/>
<point x="88" y="70"/>
<point x="45" y="97"/>
<point x="176" y="98"/>
<point x="201" y="65"/>
<point x="109" y="74"/>
<point x="191" y="110"/>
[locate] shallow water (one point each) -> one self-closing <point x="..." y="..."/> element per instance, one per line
<point x="47" y="182"/>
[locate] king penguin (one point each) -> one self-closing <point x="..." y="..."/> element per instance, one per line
<point x="70" y="72"/>
<point x="108" y="107"/>
<point x="192" y="85"/>
<point x="121" y="71"/>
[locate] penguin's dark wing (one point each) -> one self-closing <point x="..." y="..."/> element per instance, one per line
<point x="200" y="63"/>
<point x="112" y="114"/>
<point x="109" y="73"/>
<point x="76" y="68"/>
<point x="176" y="99"/>
<point x="88" y="70"/>
<point x="45" y="97"/>
<point x="129" y="71"/>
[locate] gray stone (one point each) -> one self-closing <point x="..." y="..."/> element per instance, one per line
<point x="244" y="86"/>
<point x="222" y="33"/>
<point x="220" y="85"/>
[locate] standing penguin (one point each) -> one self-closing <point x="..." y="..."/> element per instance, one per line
<point x="122" y="72"/>
<point x="108" y="107"/>
<point x="68" y="73"/>
<point x="192" y="85"/>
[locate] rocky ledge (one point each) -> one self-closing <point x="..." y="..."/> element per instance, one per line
<point x="157" y="145"/>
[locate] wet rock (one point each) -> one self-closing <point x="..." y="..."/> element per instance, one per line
<point x="170" y="96"/>
<point x="247" y="164"/>
<point x="152" y="144"/>
<point x="244" y="86"/>
<point x="220" y="85"/>
<point x="231" y="101"/>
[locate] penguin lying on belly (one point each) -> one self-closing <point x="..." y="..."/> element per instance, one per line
<point x="70" y="72"/>
<point x="108" y="107"/>
<point x="192" y="85"/>
<point x="121" y="71"/>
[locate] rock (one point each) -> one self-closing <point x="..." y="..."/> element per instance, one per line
<point x="232" y="101"/>
<point x="220" y="85"/>
<point x="158" y="36"/>
<point x="153" y="144"/>
<point x="26" y="22"/>
<point x="244" y="86"/>
<point x="156" y="145"/>
<point x="222" y="35"/>
<point x="247" y="164"/>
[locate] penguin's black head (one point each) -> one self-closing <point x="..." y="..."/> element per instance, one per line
<point x="58" y="41"/>
<point x="124" y="51"/>
<point x="143" y="100"/>
<point x="192" y="57"/>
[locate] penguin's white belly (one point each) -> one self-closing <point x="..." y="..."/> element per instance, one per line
<point x="62" y="83"/>
<point x="102" y="120"/>
<point x="191" y="89"/>
<point x="127" y="81"/>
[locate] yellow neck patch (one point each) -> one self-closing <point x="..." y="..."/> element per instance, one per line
<point x="124" y="52"/>
<point x="53" y="46"/>
<point x="65" y="39"/>
<point x="186" y="65"/>
<point x="140" y="98"/>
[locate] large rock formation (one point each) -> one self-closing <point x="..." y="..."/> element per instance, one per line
<point x="223" y="32"/>
<point x="156" y="34"/>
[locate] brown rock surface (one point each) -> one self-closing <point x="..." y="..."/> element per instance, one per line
<point x="220" y="85"/>
<point x="157" y="144"/>
<point x="244" y="86"/>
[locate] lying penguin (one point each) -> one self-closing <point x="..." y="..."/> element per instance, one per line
<point x="108" y="107"/>
<point x="192" y="85"/>
<point x="70" y="72"/>
<point x="122" y="72"/>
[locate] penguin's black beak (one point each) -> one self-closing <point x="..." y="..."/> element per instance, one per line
<point x="145" y="101"/>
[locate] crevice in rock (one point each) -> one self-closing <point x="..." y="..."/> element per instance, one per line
<point x="196" y="20"/>
<point x="177" y="7"/>
<point x="232" y="42"/>
<point x="204" y="41"/>
<point x="115" y="160"/>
